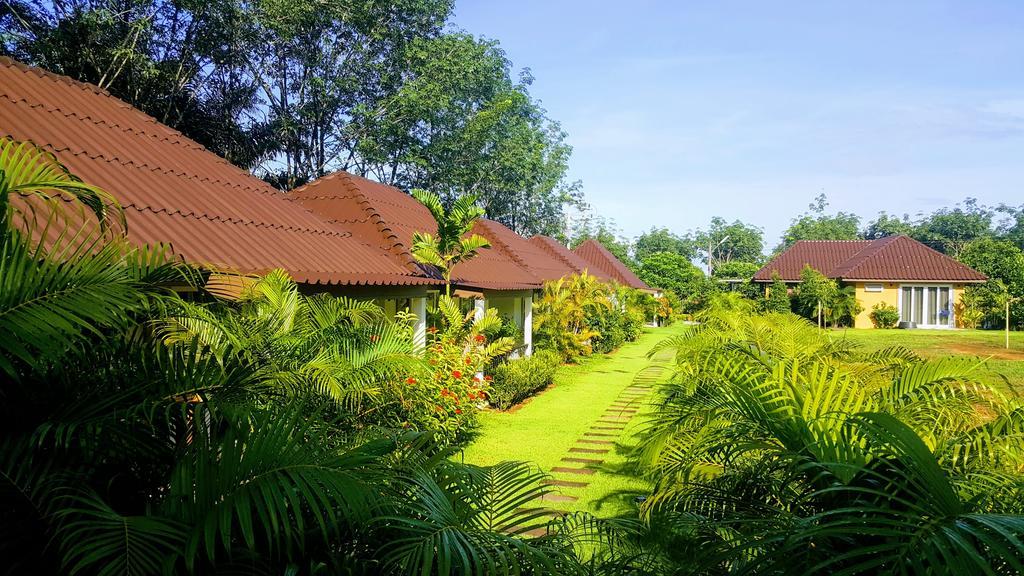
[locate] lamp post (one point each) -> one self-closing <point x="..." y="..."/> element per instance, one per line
<point x="711" y="252"/>
<point x="1006" y="327"/>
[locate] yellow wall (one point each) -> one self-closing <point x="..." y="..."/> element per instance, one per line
<point x="890" y="295"/>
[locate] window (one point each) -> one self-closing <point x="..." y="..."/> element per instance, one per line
<point x="872" y="287"/>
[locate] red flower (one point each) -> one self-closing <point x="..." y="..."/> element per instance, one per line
<point x="476" y="378"/>
<point x="456" y="374"/>
<point x="432" y="330"/>
<point x="374" y="337"/>
<point x="468" y="360"/>
<point x="480" y="338"/>
<point x="438" y="409"/>
<point x="471" y="396"/>
<point x="458" y="411"/>
<point x="488" y="378"/>
<point x="410" y="380"/>
<point x="445" y="392"/>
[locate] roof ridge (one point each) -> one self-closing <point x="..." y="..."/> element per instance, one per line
<point x="397" y="248"/>
<point x="485" y="222"/>
<point x="542" y="241"/>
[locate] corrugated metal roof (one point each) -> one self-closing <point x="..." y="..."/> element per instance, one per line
<point x="601" y="259"/>
<point x="894" y="258"/>
<point x="570" y="258"/>
<point x="388" y="217"/>
<point x="176" y="192"/>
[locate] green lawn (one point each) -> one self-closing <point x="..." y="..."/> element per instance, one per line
<point x="545" y="427"/>
<point x="1003" y="368"/>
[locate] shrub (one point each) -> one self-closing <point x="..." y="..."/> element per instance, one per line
<point x="447" y="401"/>
<point x="778" y="299"/>
<point x="516" y="380"/>
<point x="884" y="315"/>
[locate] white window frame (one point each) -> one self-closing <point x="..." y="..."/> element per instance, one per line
<point x="952" y="308"/>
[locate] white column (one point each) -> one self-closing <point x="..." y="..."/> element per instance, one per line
<point x="479" y="307"/>
<point x="419" y="330"/>
<point x="528" y="324"/>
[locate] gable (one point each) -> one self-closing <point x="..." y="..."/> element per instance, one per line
<point x="388" y="217"/>
<point x="601" y="259"/>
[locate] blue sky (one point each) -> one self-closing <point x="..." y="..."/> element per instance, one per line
<point x="680" y="111"/>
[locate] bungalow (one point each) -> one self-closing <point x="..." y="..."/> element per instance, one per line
<point x="175" y="192"/>
<point x="569" y="258"/>
<point x="603" y="262"/>
<point x="503" y="277"/>
<point x="923" y="284"/>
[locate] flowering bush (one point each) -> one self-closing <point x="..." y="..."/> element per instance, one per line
<point x="446" y="401"/>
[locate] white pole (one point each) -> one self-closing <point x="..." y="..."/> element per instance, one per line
<point x="528" y="324"/>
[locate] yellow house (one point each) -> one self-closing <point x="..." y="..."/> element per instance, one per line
<point x="923" y="284"/>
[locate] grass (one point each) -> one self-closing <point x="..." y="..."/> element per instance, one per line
<point x="542" y="429"/>
<point x="1003" y="367"/>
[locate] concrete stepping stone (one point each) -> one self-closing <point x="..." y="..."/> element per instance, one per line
<point x="582" y="460"/>
<point x="567" y="470"/>
<point x="604" y="434"/>
<point x="569" y="483"/>
<point x="621" y="410"/>
<point x="589" y="450"/>
<point x="543" y="511"/>
<point x="558" y="498"/>
<point x="535" y="533"/>
<point x="588" y="441"/>
<point x="619" y="428"/>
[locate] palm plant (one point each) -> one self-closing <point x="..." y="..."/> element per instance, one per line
<point x="561" y="313"/>
<point x="780" y="449"/>
<point x="126" y="449"/>
<point x="451" y="245"/>
<point x="341" y="348"/>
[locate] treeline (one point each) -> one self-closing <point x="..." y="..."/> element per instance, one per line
<point x="294" y="90"/>
<point x="990" y="239"/>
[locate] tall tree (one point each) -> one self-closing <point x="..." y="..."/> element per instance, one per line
<point x="725" y="242"/>
<point x="662" y="240"/>
<point x="887" y="225"/>
<point x="461" y="124"/>
<point x="603" y="230"/>
<point x="816" y="224"/>
<point x="950" y="230"/>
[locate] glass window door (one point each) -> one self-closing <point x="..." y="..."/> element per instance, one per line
<point x="927" y="305"/>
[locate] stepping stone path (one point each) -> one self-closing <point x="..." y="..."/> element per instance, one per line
<point x="585" y="458"/>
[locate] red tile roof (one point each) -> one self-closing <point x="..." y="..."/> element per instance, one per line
<point x="530" y="256"/>
<point x="894" y="258"/>
<point x="387" y="216"/>
<point x="176" y="192"/>
<point x="601" y="259"/>
<point x="568" y="257"/>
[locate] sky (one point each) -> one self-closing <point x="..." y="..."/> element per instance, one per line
<point x="681" y="111"/>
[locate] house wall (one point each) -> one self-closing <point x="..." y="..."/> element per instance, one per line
<point x="890" y="294"/>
